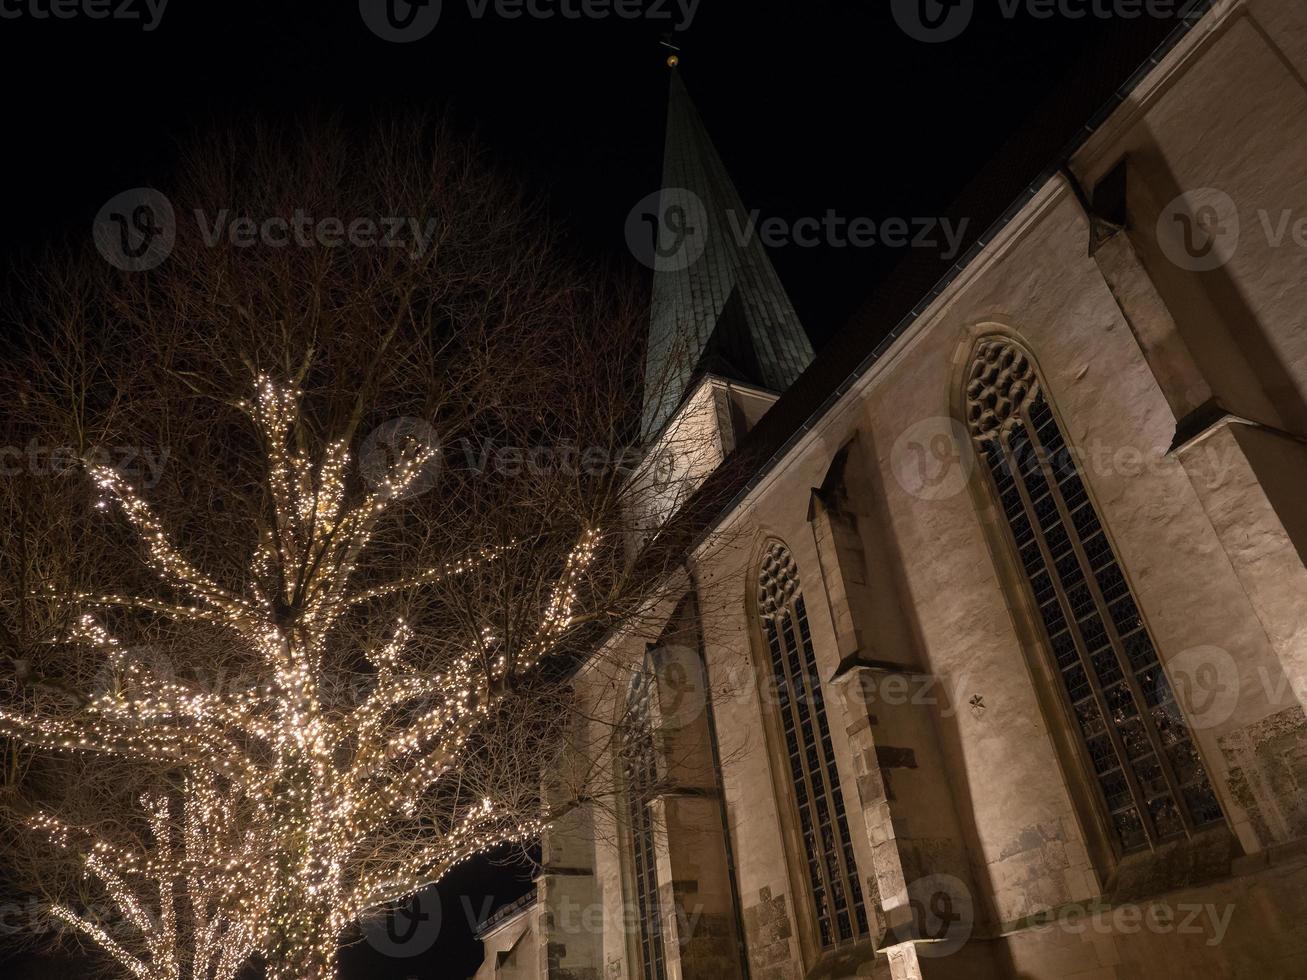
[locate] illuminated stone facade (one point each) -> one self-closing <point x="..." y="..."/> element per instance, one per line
<point x="1045" y="553"/>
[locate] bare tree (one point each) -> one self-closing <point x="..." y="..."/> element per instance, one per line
<point x="398" y="497"/>
<point x="180" y="897"/>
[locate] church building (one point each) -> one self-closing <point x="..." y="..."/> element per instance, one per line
<point x="992" y="662"/>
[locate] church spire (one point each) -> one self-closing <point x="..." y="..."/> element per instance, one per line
<point x="718" y="305"/>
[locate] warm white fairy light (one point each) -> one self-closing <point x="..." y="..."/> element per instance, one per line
<point x="306" y="787"/>
<point x="202" y="878"/>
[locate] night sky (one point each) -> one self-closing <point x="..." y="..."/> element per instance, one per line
<point x="815" y="105"/>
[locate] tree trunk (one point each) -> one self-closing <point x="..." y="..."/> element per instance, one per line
<point x="304" y="937"/>
<point x="304" y="945"/>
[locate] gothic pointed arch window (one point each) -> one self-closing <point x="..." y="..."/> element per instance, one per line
<point x="832" y="873"/>
<point x="639" y="765"/>
<point x="1136" y="743"/>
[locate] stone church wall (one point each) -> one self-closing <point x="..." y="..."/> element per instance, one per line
<point x="1185" y="397"/>
<point x="1210" y="547"/>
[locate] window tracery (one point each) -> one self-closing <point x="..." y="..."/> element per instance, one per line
<point x="823" y="824"/>
<point x="1138" y="747"/>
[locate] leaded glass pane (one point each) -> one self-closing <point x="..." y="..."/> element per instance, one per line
<point x="832" y="873"/>
<point x="1148" y="771"/>
<point x="640" y="770"/>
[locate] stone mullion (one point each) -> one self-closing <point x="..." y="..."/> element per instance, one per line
<point x="1122" y="758"/>
<point x="1113" y="635"/>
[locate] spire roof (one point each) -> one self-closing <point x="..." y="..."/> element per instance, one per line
<point x="718" y="305"/>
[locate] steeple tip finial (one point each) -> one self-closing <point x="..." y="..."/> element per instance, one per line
<point x="674" y="50"/>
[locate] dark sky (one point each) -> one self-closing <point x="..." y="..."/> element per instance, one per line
<point x="815" y="105"/>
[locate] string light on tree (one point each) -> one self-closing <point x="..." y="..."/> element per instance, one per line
<point x="294" y="812"/>
<point x="201" y="872"/>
